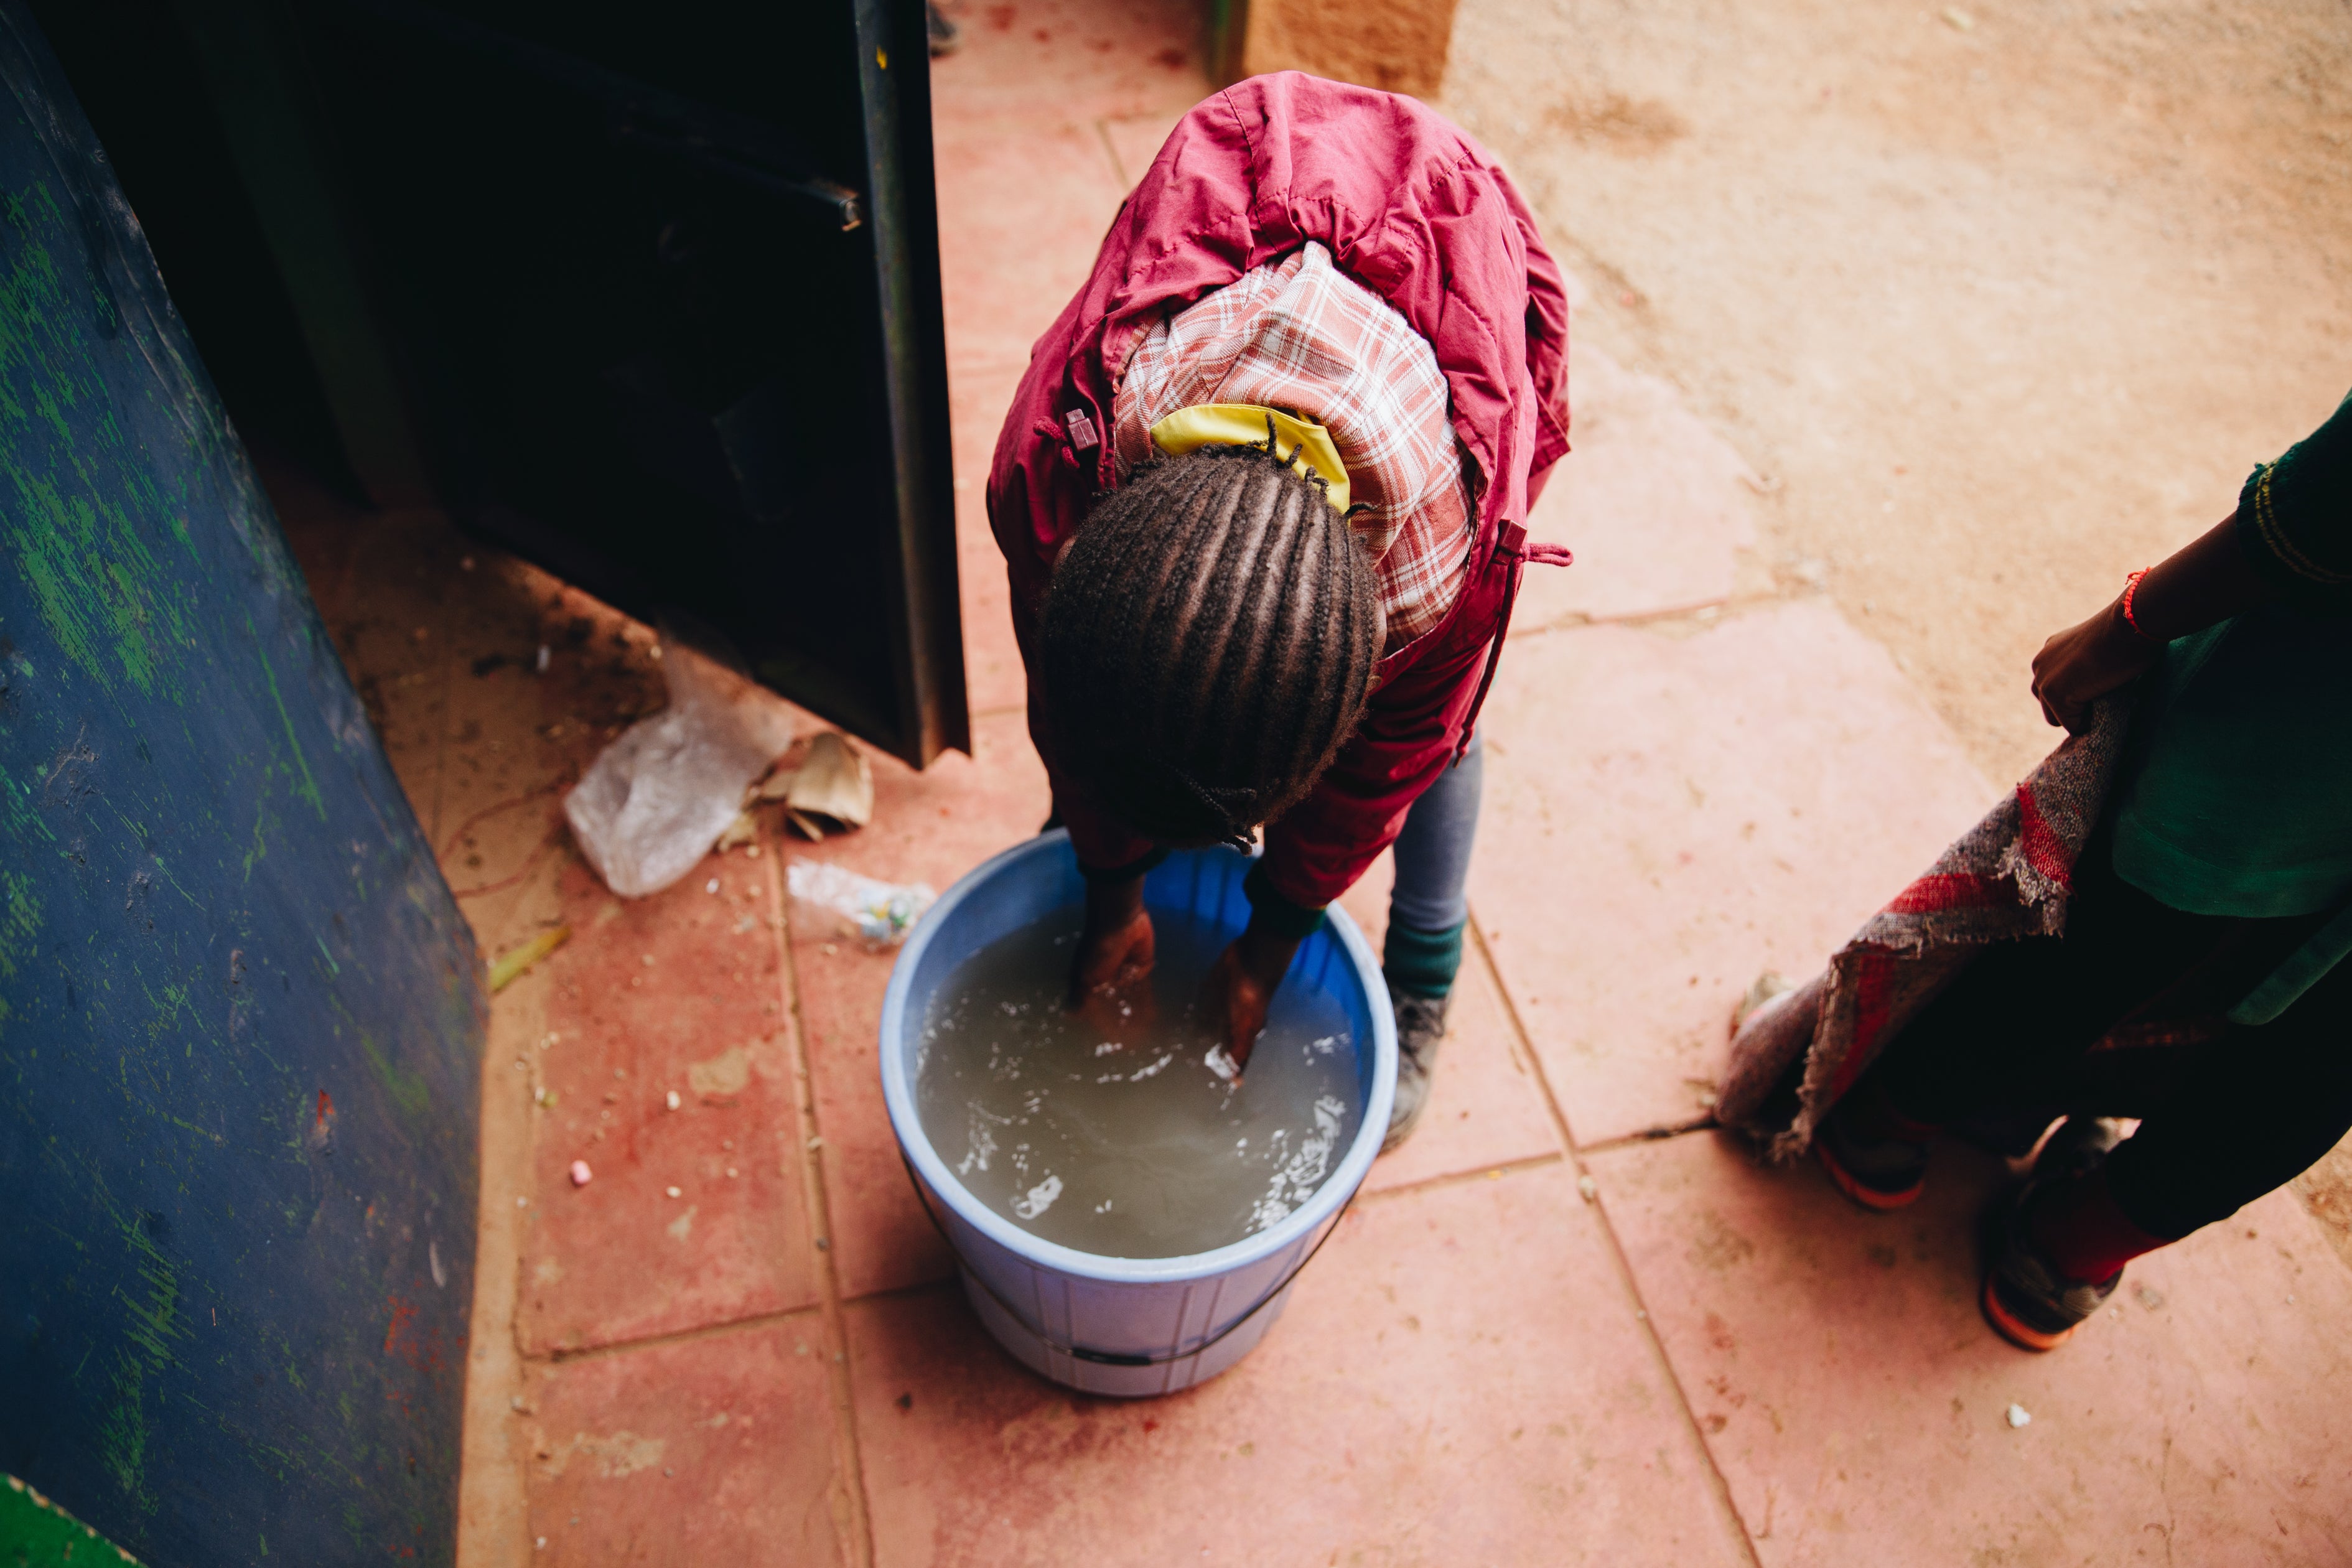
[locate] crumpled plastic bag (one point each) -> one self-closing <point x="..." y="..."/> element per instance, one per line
<point x="881" y="912"/>
<point x="655" y="801"/>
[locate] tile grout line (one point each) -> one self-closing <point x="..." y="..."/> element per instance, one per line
<point x="1102" y="134"/>
<point x="1456" y="1178"/>
<point x="857" y="1526"/>
<point x="673" y="1337"/>
<point x="1659" y="1134"/>
<point x="1721" y="1488"/>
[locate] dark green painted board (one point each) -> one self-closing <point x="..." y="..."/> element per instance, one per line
<point x="240" y="1017"/>
<point x="36" y="1533"/>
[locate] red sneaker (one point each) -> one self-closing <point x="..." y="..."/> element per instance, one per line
<point x="2025" y="1298"/>
<point x="1879" y="1174"/>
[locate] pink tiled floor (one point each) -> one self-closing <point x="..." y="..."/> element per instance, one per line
<point x="1691" y="777"/>
<point x="1669" y="810"/>
<point x="1858" y="1406"/>
<point x="698" y="1451"/>
<point x="1430" y="1396"/>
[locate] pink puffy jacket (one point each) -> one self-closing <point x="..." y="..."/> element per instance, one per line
<point x="1415" y="211"/>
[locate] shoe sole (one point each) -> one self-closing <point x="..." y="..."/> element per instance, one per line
<point x="1398" y="1134"/>
<point x="1871" y="1198"/>
<point x="2023" y="1335"/>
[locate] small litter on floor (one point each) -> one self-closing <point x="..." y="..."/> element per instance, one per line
<point x="2019" y="1415"/>
<point x="742" y="830"/>
<point x="880" y="913"/>
<point x="832" y="788"/>
<point x="655" y="800"/>
<point x="509" y="967"/>
<point x="1765" y="988"/>
<point x="581" y="1175"/>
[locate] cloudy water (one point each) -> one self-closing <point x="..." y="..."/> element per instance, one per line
<point x="1120" y="1131"/>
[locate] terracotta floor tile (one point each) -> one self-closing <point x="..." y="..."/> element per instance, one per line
<point x="1652" y="500"/>
<point x="680" y="992"/>
<point x="994" y="677"/>
<point x="1667" y="816"/>
<point x="1024" y="202"/>
<point x="1857" y="1402"/>
<point x="714" y="1451"/>
<point x="1485" y="1107"/>
<point x="995" y="680"/>
<point x="1135" y="140"/>
<point x="931" y="827"/>
<point x="1431" y="1397"/>
<point x="1047" y="61"/>
<point x="517" y="739"/>
<point x="1021" y="213"/>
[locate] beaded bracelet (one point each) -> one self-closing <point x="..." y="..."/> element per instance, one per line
<point x="2131" y="586"/>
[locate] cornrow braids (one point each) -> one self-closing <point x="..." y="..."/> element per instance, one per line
<point x="1209" y="641"/>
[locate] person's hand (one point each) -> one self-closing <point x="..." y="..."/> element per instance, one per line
<point x="2085" y="662"/>
<point x="1115" y="954"/>
<point x="1241" y="988"/>
<point x="1112" y="958"/>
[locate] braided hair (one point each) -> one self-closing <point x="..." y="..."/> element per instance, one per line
<point x="1209" y="640"/>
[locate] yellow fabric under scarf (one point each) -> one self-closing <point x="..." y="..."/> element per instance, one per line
<point x="1243" y="425"/>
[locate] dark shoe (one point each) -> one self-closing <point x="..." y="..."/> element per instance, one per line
<point x="946" y="38"/>
<point x="2027" y="1302"/>
<point x="1419" y="1025"/>
<point x="1878" y="1173"/>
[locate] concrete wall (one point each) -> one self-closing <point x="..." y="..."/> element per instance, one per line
<point x="1396" y="45"/>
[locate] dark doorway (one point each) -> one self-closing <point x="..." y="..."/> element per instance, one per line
<point x="648" y="296"/>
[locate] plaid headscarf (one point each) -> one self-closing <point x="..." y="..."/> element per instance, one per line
<point x="1302" y="337"/>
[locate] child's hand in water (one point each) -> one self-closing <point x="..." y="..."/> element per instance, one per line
<point x="1115" y="954"/>
<point x="1112" y="959"/>
<point x="1241" y="988"/>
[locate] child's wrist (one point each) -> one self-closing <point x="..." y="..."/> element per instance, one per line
<point x="1112" y="902"/>
<point x="1266" y="950"/>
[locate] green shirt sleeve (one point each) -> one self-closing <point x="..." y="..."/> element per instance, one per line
<point x="2295" y="518"/>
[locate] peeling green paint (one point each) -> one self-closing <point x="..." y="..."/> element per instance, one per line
<point x="408" y="1090"/>
<point x="20" y="921"/>
<point x="260" y="846"/>
<point x="96" y="585"/>
<point x="20" y="930"/>
<point x="309" y="788"/>
<point x="154" y="1326"/>
<point x="164" y="1009"/>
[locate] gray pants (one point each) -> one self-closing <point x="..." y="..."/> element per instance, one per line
<point x="1432" y="853"/>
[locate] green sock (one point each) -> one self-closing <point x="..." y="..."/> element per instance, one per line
<point x="1422" y="963"/>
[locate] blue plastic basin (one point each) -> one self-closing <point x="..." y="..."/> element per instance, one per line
<point x="1125" y="1326"/>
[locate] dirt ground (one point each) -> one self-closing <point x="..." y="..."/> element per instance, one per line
<point x="2007" y="299"/>
<point x="2000" y="301"/>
